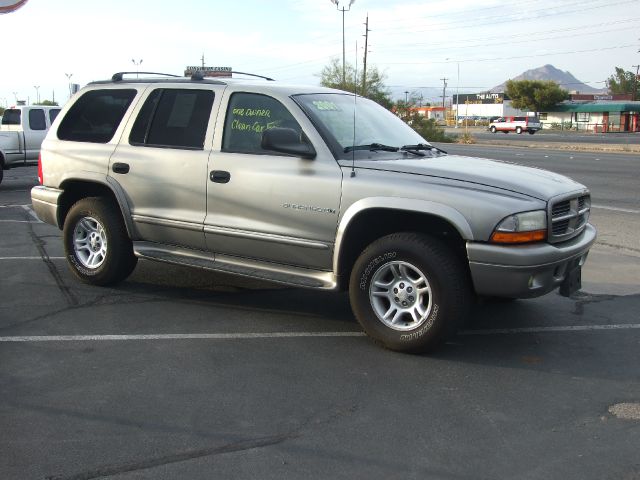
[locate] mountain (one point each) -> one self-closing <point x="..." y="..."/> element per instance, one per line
<point x="548" y="72"/>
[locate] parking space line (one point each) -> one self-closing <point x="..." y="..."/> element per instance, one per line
<point x="569" y="328"/>
<point x="19" y="221"/>
<point x="268" y="335"/>
<point x="31" y="258"/>
<point x="175" y="336"/>
<point x="30" y="211"/>
<point x="615" y="209"/>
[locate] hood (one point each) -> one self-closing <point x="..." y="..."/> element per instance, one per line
<point x="535" y="182"/>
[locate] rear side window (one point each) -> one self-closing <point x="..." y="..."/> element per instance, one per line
<point x="173" y="118"/>
<point x="37" y="120"/>
<point x="519" y="119"/>
<point x="53" y="113"/>
<point x="11" y="117"/>
<point x="95" y="116"/>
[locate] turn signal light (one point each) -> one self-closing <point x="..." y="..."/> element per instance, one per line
<point x="519" y="237"/>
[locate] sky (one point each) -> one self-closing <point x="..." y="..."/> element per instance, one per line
<point x="474" y="45"/>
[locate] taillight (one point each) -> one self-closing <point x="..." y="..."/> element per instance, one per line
<point x="40" y="177"/>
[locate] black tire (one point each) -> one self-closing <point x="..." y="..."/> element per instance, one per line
<point x="98" y="249"/>
<point x="531" y="132"/>
<point x="493" y="129"/>
<point x="1" y="172"/>
<point x="406" y="263"/>
<point x="518" y="130"/>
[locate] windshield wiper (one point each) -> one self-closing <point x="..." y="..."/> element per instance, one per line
<point x="372" y="147"/>
<point x="420" y="146"/>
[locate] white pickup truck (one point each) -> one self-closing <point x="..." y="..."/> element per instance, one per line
<point x="21" y="133"/>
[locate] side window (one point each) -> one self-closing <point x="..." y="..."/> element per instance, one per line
<point x="11" y="117"/>
<point x="95" y="116"/>
<point x="53" y="113"/>
<point x="250" y="114"/>
<point x="173" y="118"/>
<point x="37" y="119"/>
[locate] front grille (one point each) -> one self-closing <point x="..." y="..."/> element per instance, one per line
<point x="568" y="216"/>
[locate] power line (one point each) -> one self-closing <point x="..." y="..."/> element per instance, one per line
<point x="482" y="21"/>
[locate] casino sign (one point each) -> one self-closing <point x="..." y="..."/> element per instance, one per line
<point x="8" y="6"/>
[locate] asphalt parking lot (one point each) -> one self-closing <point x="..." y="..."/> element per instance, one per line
<point x="181" y="374"/>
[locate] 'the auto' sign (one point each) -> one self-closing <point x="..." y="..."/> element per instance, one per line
<point x="7" y="6"/>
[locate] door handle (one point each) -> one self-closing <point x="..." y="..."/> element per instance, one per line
<point x="120" y="168"/>
<point x="220" y="176"/>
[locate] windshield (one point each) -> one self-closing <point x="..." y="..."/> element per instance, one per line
<point x="332" y="113"/>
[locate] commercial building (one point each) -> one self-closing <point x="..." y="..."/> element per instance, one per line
<point x="483" y="105"/>
<point x="595" y="113"/>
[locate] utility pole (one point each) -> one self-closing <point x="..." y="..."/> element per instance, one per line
<point x="366" y="46"/>
<point x="344" y="51"/>
<point x="635" y="83"/>
<point x="203" y="60"/>
<point x="444" y="90"/>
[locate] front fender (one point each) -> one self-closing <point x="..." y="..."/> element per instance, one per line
<point x="447" y="213"/>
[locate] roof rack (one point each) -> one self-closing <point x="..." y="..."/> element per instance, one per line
<point x="119" y="77"/>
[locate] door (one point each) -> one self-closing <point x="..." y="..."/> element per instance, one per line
<point x="265" y="205"/>
<point x="162" y="166"/>
<point x="34" y="132"/>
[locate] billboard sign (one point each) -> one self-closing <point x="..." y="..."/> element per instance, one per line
<point x="209" y="71"/>
<point x="8" y="6"/>
<point x="484" y="98"/>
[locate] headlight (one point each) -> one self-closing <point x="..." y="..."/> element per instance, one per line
<point x="523" y="227"/>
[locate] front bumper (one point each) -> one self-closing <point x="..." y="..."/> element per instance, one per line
<point x="45" y="201"/>
<point x="526" y="271"/>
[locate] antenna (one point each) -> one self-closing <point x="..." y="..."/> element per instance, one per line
<point x="355" y="105"/>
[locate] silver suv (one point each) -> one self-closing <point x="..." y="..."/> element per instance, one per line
<point x="309" y="187"/>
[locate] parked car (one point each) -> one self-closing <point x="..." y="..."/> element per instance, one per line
<point x="515" y="124"/>
<point x="288" y="184"/>
<point x="21" y="132"/>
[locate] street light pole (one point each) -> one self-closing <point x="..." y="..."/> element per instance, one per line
<point x="137" y="64"/>
<point x="344" y="52"/>
<point x="69" y="75"/>
<point x="37" y="87"/>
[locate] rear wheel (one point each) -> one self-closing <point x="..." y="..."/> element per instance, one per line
<point x="96" y="243"/>
<point x="409" y="292"/>
<point x="493" y="129"/>
<point x="531" y="132"/>
<point x="518" y="130"/>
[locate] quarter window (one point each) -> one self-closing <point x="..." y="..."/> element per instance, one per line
<point x="37" y="119"/>
<point x="53" y="113"/>
<point x="96" y="115"/>
<point x="173" y="118"/>
<point x="250" y="114"/>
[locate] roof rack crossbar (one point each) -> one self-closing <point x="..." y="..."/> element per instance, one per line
<point x="118" y="77"/>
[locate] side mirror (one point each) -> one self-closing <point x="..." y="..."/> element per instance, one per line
<point x="287" y="140"/>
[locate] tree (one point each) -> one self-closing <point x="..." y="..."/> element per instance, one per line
<point x="621" y="82"/>
<point x="427" y="128"/>
<point x="375" y="89"/>
<point x="1" y="111"/>
<point x="47" y="103"/>
<point x="534" y="95"/>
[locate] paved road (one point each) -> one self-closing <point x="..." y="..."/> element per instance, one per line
<point x="553" y="136"/>
<point x="183" y="374"/>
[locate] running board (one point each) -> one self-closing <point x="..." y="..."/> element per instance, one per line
<point x="286" y="274"/>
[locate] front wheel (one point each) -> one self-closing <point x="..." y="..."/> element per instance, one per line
<point x="531" y="132"/>
<point x="493" y="129"/>
<point x="518" y="130"/>
<point x="409" y="292"/>
<point x="96" y="243"/>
